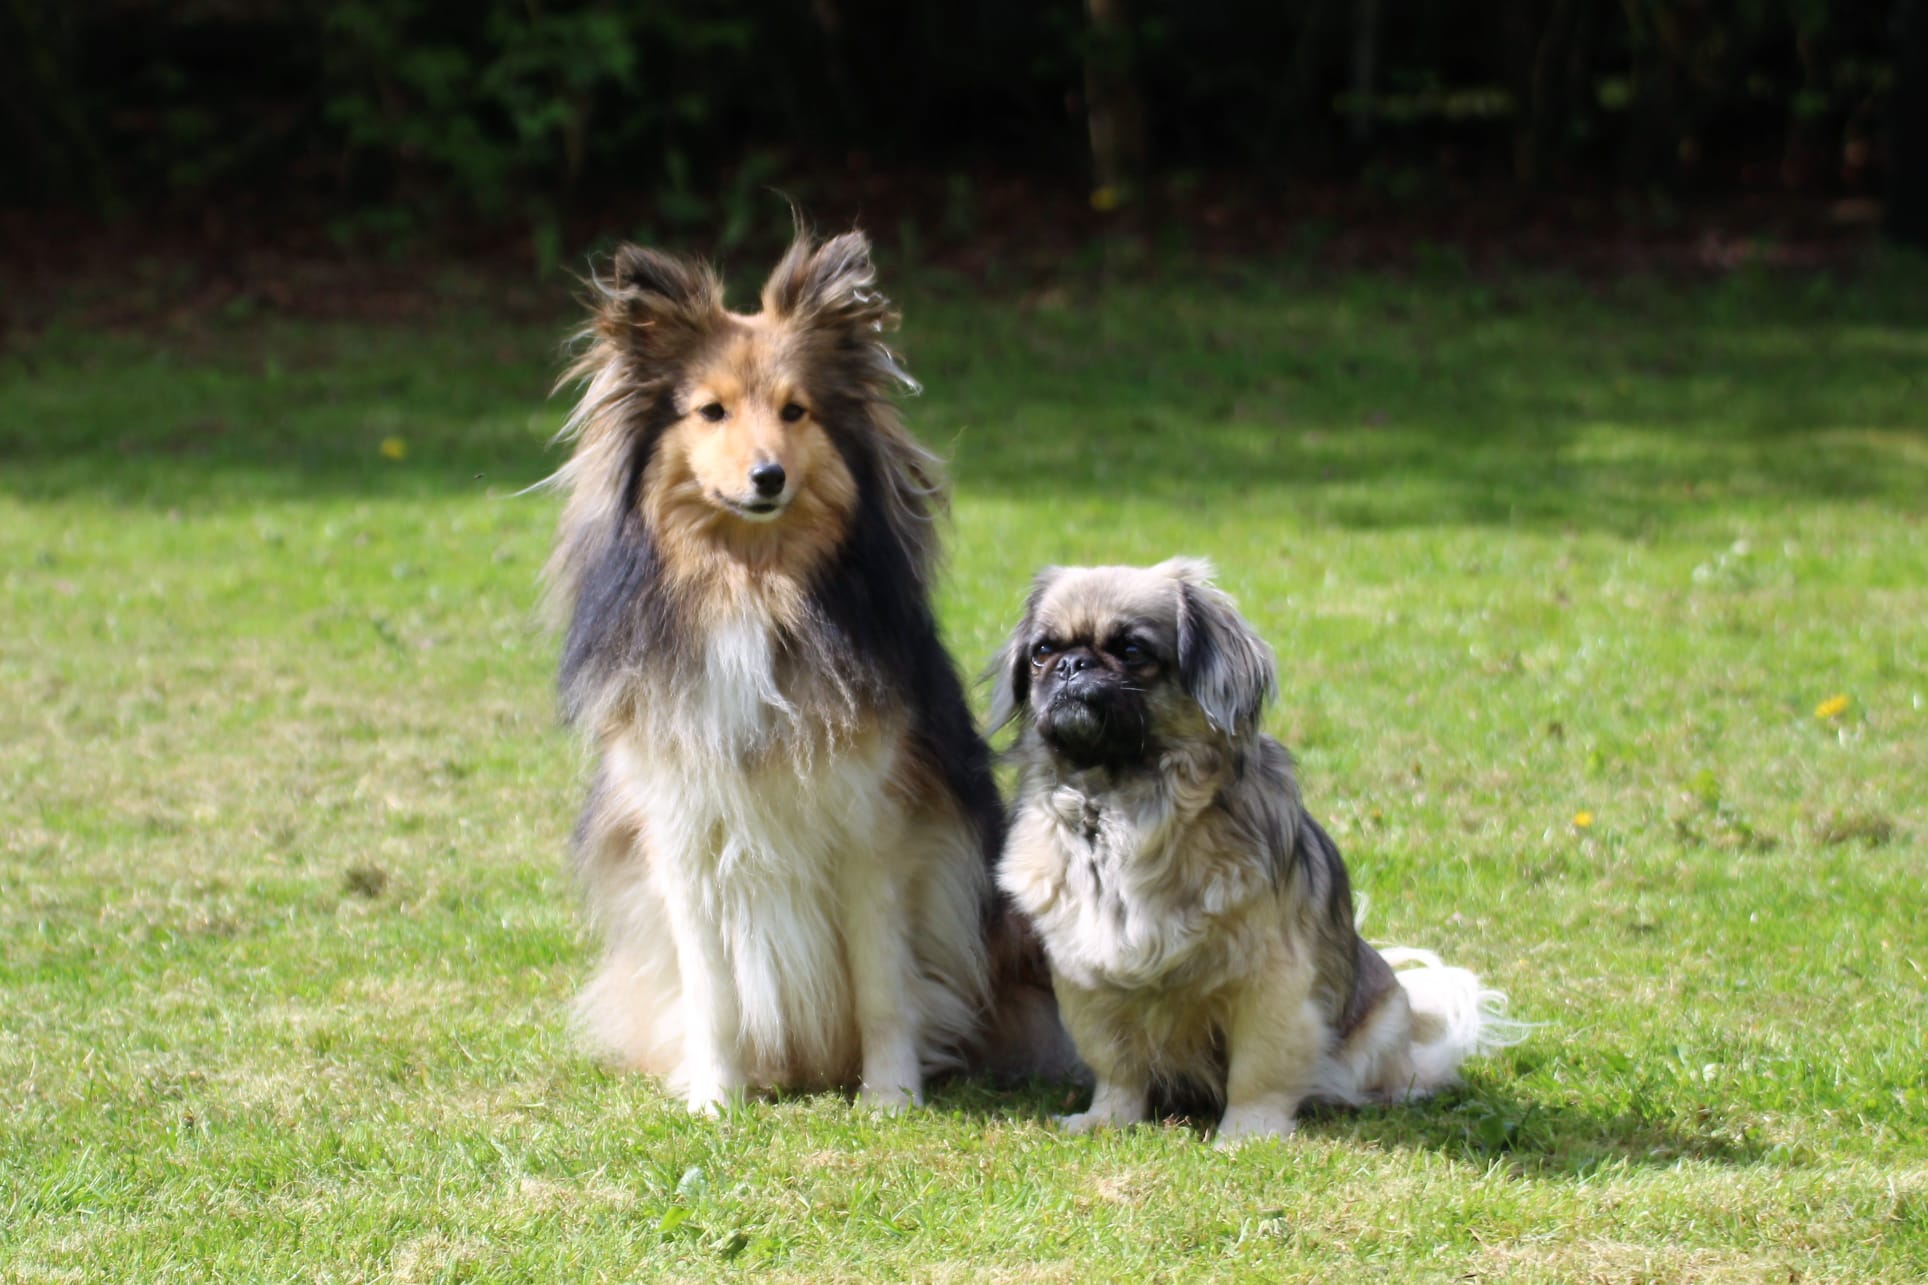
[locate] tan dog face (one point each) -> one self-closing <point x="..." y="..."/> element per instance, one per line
<point x="1111" y="663"/>
<point x="748" y="433"/>
<point x="749" y="429"/>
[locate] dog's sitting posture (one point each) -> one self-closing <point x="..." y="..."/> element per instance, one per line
<point x="1198" y="922"/>
<point x="787" y="845"/>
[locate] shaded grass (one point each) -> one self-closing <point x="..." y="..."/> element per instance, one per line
<point x="284" y="937"/>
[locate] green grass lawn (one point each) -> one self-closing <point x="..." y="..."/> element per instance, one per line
<point x="1601" y="619"/>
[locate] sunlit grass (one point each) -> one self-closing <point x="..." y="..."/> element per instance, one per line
<point x="285" y="936"/>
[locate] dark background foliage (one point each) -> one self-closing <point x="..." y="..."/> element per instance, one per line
<point x="383" y="117"/>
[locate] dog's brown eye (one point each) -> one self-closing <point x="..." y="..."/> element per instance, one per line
<point x="1133" y="654"/>
<point x="712" y="412"/>
<point x="1041" y="653"/>
<point x="791" y="413"/>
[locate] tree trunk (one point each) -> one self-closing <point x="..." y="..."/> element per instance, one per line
<point x="43" y="96"/>
<point x="1654" y="115"/>
<point x="1307" y="117"/>
<point x="1544" y="54"/>
<point x="1113" y="109"/>
<point x="1908" y="128"/>
<point x="1365" y="67"/>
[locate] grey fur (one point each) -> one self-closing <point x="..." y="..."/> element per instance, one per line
<point x="1198" y="921"/>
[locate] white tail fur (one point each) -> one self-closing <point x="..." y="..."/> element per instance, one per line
<point x="1454" y="1017"/>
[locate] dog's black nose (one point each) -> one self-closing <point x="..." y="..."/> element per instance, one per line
<point x="1074" y="662"/>
<point x="767" y="478"/>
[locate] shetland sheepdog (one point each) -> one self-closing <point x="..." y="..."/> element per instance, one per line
<point x="787" y="842"/>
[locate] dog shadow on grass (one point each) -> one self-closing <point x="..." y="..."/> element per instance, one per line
<point x="1478" y="1122"/>
<point x="1536" y="1135"/>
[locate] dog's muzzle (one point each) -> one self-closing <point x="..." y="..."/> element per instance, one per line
<point x="1090" y="721"/>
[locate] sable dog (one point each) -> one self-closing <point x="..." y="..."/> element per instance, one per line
<point x="787" y="845"/>
<point x="1198" y="923"/>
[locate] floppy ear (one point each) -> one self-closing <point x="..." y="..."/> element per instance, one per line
<point x="1223" y="665"/>
<point x="657" y="305"/>
<point x="1009" y="673"/>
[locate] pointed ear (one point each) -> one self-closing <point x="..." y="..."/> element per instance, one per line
<point x="1223" y="665"/>
<point x="656" y="304"/>
<point x="832" y="286"/>
<point x="1010" y="671"/>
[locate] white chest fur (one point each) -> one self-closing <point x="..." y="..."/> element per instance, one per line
<point x="761" y="806"/>
<point x="737" y="703"/>
<point x="1120" y="889"/>
<point x="768" y="851"/>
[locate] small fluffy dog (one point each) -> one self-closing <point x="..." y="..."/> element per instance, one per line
<point x="788" y="842"/>
<point x="1198" y="922"/>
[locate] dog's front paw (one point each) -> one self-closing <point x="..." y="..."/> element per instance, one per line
<point x="712" y="1098"/>
<point x="1086" y="1122"/>
<point x="891" y="1100"/>
<point x="1243" y="1124"/>
<point x="1114" y="1104"/>
<point x="708" y="1105"/>
<point x="892" y="1080"/>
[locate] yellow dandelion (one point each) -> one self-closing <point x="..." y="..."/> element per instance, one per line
<point x="1832" y="707"/>
<point x="394" y="448"/>
<point x="1582" y="819"/>
<point x="1104" y="199"/>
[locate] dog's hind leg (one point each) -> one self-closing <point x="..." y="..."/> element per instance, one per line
<point x="883" y="967"/>
<point x="1373" y="1063"/>
<point x="631" y="1009"/>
